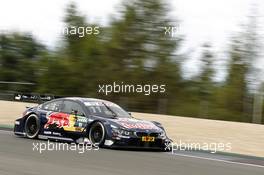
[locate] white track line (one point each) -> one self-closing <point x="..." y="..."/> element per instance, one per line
<point x="6" y="131"/>
<point x="218" y="160"/>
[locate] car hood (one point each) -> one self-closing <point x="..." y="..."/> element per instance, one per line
<point x="134" y="124"/>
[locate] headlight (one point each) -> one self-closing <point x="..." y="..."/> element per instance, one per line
<point x="162" y="134"/>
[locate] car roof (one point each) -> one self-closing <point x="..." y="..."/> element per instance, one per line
<point x="82" y="99"/>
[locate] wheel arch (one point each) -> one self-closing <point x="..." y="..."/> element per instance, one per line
<point x="103" y="124"/>
<point x="90" y="124"/>
<point x="24" y="118"/>
<point x="37" y="120"/>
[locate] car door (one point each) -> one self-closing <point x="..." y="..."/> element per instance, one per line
<point x="55" y="119"/>
<point x="77" y="121"/>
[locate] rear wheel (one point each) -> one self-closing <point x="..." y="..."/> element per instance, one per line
<point x="97" y="134"/>
<point x="32" y="126"/>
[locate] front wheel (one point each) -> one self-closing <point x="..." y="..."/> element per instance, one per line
<point x="97" y="134"/>
<point x="32" y="126"/>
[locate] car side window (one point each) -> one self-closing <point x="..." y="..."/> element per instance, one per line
<point x="53" y="106"/>
<point x="70" y="107"/>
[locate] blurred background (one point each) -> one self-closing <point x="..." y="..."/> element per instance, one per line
<point x="212" y="63"/>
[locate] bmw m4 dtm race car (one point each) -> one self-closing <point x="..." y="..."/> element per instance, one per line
<point x="104" y="124"/>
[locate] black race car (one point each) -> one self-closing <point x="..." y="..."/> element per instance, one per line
<point x="101" y="122"/>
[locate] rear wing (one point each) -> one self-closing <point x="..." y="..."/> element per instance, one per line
<point x="33" y="97"/>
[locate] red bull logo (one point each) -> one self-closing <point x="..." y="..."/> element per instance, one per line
<point x="60" y="119"/>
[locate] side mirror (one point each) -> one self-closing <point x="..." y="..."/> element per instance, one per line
<point x="75" y="112"/>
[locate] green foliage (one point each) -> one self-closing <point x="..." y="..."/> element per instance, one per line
<point x="18" y="56"/>
<point x="133" y="49"/>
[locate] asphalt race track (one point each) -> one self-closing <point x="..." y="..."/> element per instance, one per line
<point x="17" y="157"/>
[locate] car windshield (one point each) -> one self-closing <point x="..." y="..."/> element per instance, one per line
<point x="106" y="109"/>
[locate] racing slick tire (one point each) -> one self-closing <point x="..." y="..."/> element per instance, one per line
<point x="97" y="134"/>
<point x="32" y="126"/>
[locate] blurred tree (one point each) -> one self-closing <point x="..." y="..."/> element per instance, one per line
<point x="18" y="55"/>
<point x="242" y="77"/>
<point x="206" y="86"/>
<point x="139" y="52"/>
<point x="252" y="46"/>
<point x="236" y="84"/>
<point x="76" y="66"/>
<point x="73" y="41"/>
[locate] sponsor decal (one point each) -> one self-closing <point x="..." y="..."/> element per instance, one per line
<point x="136" y="124"/>
<point x="57" y="120"/>
<point x="100" y="104"/>
<point x="47" y="132"/>
<point x="67" y="122"/>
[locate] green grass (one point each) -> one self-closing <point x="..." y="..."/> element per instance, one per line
<point x="6" y="126"/>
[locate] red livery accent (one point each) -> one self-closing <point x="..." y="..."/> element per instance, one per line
<point x="61" y="119"/>
<point x="137" y="125"/>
